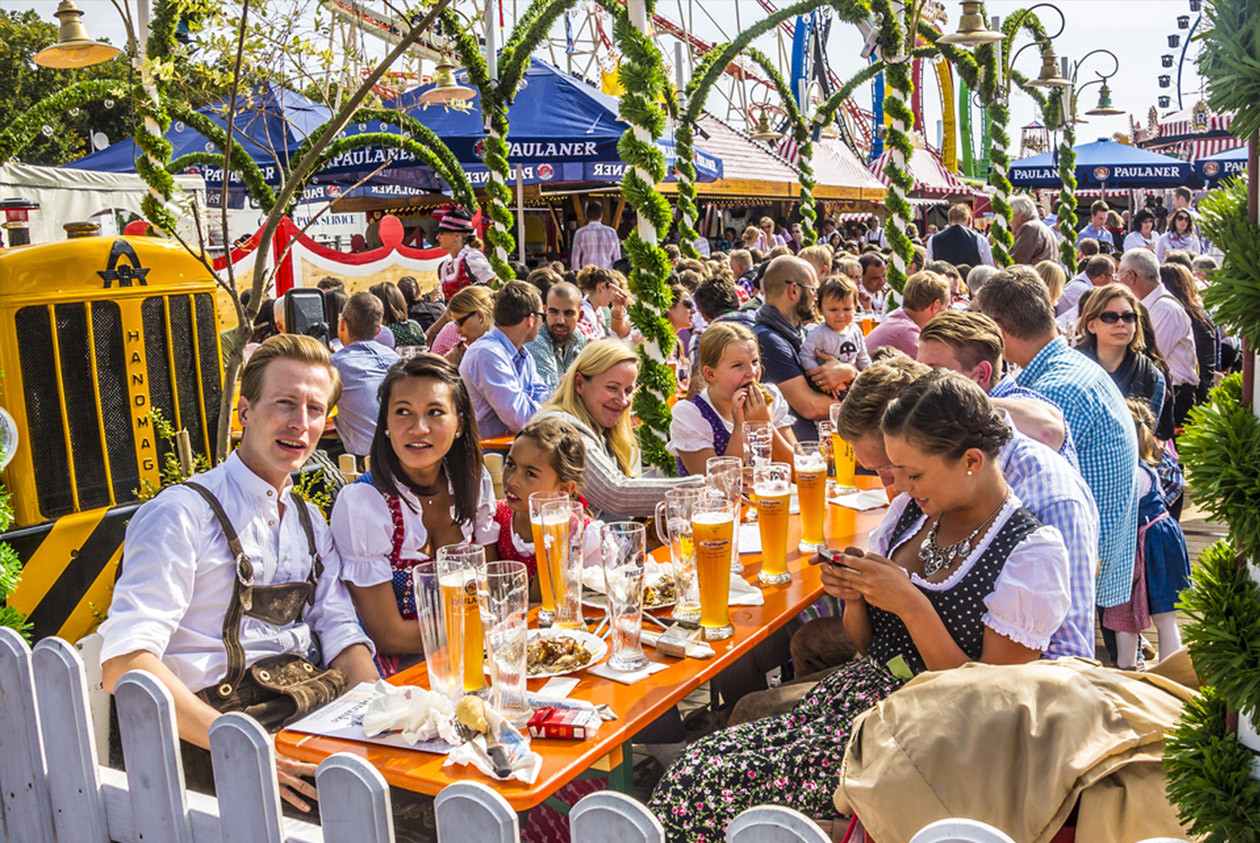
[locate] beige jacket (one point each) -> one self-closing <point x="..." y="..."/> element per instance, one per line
<point x="1017" y="747"/>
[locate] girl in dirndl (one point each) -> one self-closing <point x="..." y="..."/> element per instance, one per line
<point x="427" y="489"/>
<point x="1161" y="569"/>
<point x="713" y="422"/>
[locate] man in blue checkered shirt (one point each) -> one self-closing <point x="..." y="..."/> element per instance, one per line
<point x="1101" y="427"/>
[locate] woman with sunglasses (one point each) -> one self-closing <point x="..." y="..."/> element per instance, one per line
<point x="1143" y="235"/>
<point x="1109" y="333"/>
<point x="1180" y="235"/>
<point x="680" y="313"/>
<point x="469" y="314"/>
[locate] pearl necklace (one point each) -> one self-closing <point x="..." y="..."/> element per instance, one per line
<point x="936" y="558"/>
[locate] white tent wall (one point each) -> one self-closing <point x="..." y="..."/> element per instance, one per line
<point x="66" y="195"/>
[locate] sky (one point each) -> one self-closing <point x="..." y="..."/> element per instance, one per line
<point x="1136" y="30"/>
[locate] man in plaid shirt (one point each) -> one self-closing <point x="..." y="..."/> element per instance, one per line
<point x="1099" y="421"/>
<point x="595" y="243"/>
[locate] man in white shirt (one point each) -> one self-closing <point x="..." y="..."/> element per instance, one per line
<point x="594" y="243"/>
<point x="1174" y="334"/>
<point x="198" y="604"/>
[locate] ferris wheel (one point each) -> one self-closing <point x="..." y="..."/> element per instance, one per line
<point x="1181" y="40"/>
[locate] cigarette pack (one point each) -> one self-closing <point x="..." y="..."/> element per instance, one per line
<point x="564" y="723"/>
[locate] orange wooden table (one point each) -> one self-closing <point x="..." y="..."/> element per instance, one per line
<point x="635" y="705"/>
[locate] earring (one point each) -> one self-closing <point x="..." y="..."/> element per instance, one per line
<point x="387" y="433"/>
<point x="969" y="472"/>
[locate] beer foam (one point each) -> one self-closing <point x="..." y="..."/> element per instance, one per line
<point x="773" y="487"/>
<point x="711" y="518"/>
<point x="810" y="462"/>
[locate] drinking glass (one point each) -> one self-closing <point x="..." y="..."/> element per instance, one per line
<point x="811" y="490"/>
<point x="673" y="524"/>
<point x="441" y="620"/>
<point x="461" y="568"/>
<point x="504" y="596"/>
<point x="624" y="551"/>
<point x="759" y="441"/>
<point x="547" y="576"/>
<point x="772" y="485"/>
<point x="842" y="452"/>
<point x="725" y="476"/>
<point x="713" y="525"/>
<point x="564" y="531"/>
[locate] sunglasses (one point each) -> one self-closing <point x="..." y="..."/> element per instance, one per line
<point x="1110" y="317"/>
<point x="689" y="304"/>
<point x="461" y="320"/>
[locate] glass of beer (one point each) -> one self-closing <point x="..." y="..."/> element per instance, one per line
<point x="811" y="489"/>
<point x="842" y="452"/>
<point x="505" y="610"/>
<point x="624" y="552"/>
<point x="725" y="477"/>
<point x="461" y="568"/>
<point x="546" y="575"/>
<point x="772" y="484"/>
<point x="713" y="525"/>
<point x="441" y="620"/>
<point x="563" y="525"/>
<point x="673" y="524"/>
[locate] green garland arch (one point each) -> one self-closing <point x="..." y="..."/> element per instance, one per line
<point x="496" y="96"/>
<point x="1067" y="194"/>
<point x="26" y="126"/>
<point x="709" y="69"/>
<point x="642" y="74"/>
<point x="242" y="164"/>
<point x="896" y="44"/>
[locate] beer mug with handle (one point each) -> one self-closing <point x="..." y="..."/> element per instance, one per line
<point x="673" y="525"/>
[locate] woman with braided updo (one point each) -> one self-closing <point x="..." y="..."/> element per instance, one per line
<point x="958" y="571"/>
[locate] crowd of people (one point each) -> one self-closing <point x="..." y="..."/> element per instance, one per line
<point x="1023" y="420"/>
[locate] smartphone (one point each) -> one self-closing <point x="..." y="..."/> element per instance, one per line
<point x="831" y="556"/>
<point x="304" y="313"/>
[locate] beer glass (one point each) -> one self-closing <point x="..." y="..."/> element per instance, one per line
<point x="759" y="441"/>
<point x="441" y="631"/>
<point x="563" y="524"/>
<point x="725" y="477"/>
<point x="546" y="575"/>
<point x="461" y="568"/>
<point x="811" y="489"/>
<point x="673" y="525"/>
<point x="842" y="452"/>
<point x="772" y="485"/>
<point x="504" y="593"/>
<point x="713" y="525"/>
<point x="624" y="552"/>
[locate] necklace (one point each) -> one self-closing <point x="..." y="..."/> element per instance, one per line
<point x="936" y="558"/>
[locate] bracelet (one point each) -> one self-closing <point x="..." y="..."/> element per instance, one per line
<point x="616" y="315"/>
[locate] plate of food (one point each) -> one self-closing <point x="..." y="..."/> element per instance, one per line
<point x="556" y="652"/>
<point x="658" y="587"/>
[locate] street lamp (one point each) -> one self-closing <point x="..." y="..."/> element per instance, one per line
<point x="445" y="90"/>
<point x="972" y="31"/>
<point x="764" y="132"/>
<point x="74" y="47"/>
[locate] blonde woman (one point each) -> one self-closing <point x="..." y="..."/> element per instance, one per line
<point x="1055" y="279"/>
<point x="469" y="315"/>
<point x="595" y="398"/>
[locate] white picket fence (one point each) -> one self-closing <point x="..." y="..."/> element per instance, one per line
<point x="53" y="790"/>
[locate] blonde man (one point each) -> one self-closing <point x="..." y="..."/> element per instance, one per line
<point x="926" y="294"/>
<point x="819" y="257"/>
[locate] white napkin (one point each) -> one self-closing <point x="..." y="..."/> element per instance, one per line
<point x="861" y="501"/>
<point x="629" y="677"/>
<point x="524" y="762"/>
<point x="743" y="594"/>
<point x="419" y="714"/>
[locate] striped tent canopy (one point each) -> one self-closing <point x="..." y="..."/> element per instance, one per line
<point x="931" y="178"/>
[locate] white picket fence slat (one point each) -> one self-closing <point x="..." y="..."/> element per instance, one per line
<point x="54" y="790"/>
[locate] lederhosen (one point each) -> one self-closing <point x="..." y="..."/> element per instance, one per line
<point x="275" y="690"/>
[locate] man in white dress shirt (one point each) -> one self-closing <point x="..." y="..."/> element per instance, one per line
<point x="1174" y="334"/>
<point x="201" y="605"/>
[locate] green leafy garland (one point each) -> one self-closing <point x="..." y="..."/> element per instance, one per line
<point x="1210" y="772"/>
<point x="803" y="137"/>
<point x="242" y="163"/>
<point x="496" y="96"/>
<point x="642" y="74"/>
<point x="706" y="73"/>
<point x="1067" y="193"/>
<point x="896" y="45"/>
<point x="10" y="568"/>
<point x="26" y="126"/>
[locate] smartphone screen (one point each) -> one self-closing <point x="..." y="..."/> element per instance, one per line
<point x="304" y="313"/>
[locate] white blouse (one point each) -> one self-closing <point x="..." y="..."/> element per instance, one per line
<point x="690" y="432"/>
<point x="363" y="529"/>
<point x="1031" y="596"/>
<point x="1135" y="240"/>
